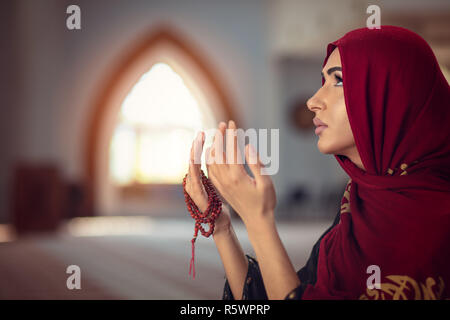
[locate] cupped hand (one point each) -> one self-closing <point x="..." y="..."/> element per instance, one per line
<point x="196" y="190"/>
<point x="253" y="198"/>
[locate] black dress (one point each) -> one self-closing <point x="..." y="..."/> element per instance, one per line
<point x="254" y="287"/>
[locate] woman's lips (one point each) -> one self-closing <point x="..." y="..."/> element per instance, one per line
<point x="320" y="125"/>
<point x="319" y="129"/>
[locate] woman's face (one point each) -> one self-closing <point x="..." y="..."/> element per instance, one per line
<point x="328" y="103"/>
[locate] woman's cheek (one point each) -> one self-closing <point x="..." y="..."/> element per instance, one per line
<point x="326" y="141"/>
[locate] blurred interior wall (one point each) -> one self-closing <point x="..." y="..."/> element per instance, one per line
<point x="50" y="75"/>
<point x="60" y="70"/>
<point x="9" y="91"/>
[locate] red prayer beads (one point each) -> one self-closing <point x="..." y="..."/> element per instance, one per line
<point x="208" y="217"/>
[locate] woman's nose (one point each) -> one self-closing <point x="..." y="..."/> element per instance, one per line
<point x="314" y="104"/>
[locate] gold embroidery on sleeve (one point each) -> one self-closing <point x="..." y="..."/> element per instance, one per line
<point x="404" y="286"/>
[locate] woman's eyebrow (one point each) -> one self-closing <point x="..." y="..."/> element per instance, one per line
<point x="331" y="70"/>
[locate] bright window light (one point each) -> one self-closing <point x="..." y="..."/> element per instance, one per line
<point x="157" y="123"/>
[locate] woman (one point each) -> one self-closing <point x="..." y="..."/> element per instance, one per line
<point x="384" y="111"/>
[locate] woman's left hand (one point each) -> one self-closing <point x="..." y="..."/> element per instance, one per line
<point x="252" y="198"/>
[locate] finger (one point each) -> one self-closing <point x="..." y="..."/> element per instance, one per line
<point x="208" y="159"/>
<point x="210" y="168"/>
<point x="191" y="160"/>
<point x="255" y="165"/>
<point x="191" y="157"/>
<point x="201" y="145"/>
<point x="211" y="164"/>
<point x="198" y="149"/>
<point x="217" y="147"/>
<point x="233" y="153"/>
<point x="230" y="147"/>
<point x="214" y="138"/>
<point x="195" y="161"/>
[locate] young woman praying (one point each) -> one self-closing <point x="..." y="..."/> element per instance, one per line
<point x="383" y="111"/>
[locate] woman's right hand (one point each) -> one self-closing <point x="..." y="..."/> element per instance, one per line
<point x="196" y="190"/>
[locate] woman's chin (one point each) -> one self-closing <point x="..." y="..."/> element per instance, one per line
<point x="336" y="147"/>
<point x="324" y="147"/>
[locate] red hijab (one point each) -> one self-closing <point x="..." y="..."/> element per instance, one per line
<point x="396" y="214"/>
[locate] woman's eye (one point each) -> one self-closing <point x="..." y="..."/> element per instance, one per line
<point x="339" y="80"/>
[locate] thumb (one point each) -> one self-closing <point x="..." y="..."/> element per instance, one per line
<point x="255" y="164"/>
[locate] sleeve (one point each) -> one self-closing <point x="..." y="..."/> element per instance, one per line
<point x="308" y="274"/>
<point x="253" y="286"/>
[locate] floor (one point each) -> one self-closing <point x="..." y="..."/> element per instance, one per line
<point x="129" y="258"/>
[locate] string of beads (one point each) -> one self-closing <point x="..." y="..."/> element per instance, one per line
<point x="209" y="216"/>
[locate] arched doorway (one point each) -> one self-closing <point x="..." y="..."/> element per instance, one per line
<point x="168" y="53"/>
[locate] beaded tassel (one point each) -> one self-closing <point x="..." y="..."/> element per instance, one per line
<point x="208" y="217"/>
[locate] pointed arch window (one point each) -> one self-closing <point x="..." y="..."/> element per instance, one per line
<point x="154" y="100"/>
<point x="157" y="121"/>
